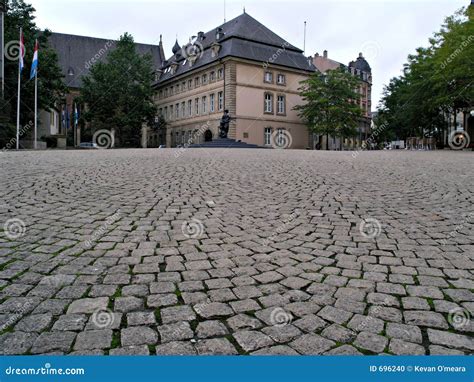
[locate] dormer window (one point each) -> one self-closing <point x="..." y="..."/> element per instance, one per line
<point x="215" y="49"/>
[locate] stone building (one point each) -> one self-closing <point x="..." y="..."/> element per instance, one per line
<point x="76" y="55"/>
<point x="240" y="66"/>
<point x="360" y="68"/>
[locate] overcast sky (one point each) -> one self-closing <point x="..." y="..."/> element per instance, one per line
<point x="385" y="31"/>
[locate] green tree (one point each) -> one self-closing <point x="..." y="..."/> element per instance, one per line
<point x="330" y="103"/>
<point x="51" y="88"/>
<point x="436" y="82"/>
<point x="119" y="93"/>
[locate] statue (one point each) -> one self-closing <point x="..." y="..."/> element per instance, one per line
<point x="224" y="125"/>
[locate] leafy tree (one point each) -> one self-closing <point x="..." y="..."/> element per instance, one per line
<point x="330" y="104"/>
<point x="50" y="80"/>
<point x="119" y="94"/>
<point x="436" y="81"/>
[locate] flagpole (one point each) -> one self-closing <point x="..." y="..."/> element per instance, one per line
<point x="18" y="102"/>
<point x="36" y="109"/>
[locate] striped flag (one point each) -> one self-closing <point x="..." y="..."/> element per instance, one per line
<point x="34" y="64"/>
<point x="22" y="50"/>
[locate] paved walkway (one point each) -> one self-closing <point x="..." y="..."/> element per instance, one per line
<point x="236" y="252"/>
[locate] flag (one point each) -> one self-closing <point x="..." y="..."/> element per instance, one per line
<point x="22" y="50"/>
<point x="76" y="115"/>
<point x="34" y="64"/>
<point x="67" y="118"/>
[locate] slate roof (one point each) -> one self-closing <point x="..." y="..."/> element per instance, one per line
<point x="242" y="37"/>
<point x="75" y="54"/>
<point x="361" y="64"/>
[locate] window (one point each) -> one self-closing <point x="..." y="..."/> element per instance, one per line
<point x="267" y="136"/>
<point x="160" y="94"/>
<point x="196" y="82"/>
<point x="160" y="111"/>
<point x="204" y="79"/>
<point x="183" y="109"/>
<point x="281" y="104"/>
<point x="171" y="90"/>
<point x="183" y="86"/>
<point x="176" y="89"/>
<point x="166" y="92"/>
<point x="196" y="106"/>
<point x="171" y="112"/>
<point x="204" y="104"/>
<point x="177" y="110"/>
<point x="190" y="84"/>
<point x="220" y="73"/>
<point x="166" y="112"/>
<point x="212" y="76"/>
<point x="268" y="104"/>
<point x="220" y="101"/>
<point x="211" y="103"/>
<point x="190" y="108"/>
<point x="281" y="79"/>
<point x="268" y="77"/>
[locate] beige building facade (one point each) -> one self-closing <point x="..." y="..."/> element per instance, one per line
<point x="255" y="77"/>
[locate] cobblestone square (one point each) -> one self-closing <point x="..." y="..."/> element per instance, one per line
<point x="236" y="252"/>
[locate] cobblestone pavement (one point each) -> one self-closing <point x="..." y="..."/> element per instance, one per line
<point x="236" y="252"/>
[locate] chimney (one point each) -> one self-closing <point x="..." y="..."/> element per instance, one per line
<point x="325" y="54"/>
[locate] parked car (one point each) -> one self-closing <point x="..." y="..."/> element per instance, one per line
<point x="88" y="145"/>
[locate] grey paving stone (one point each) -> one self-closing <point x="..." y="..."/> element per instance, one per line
<point x="16" y="343"/>
<point x="177" y="313"/>
<point x="424" y="318"/>
<point x="176" y="331"/>
<point x="400" y="347"/>
<point x="311" y="344"/>
<point x="175" y="348"/>
<point x="138" y="335"/>
<point x="93" y="339"/>
<point x="131" y="350"/>
<point x="404" y="332"/>
<point x="370" y="341"/>
<point x="250" y="340"/>
<point x="73" y="322"/>
<point x="34" y="323"/>
<point x="213" y="310"/>
<point x="53" y="341"/>
<point x="211" y="328"/>
<point x="88" y="305"/>
<point x="215" y="346"/>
